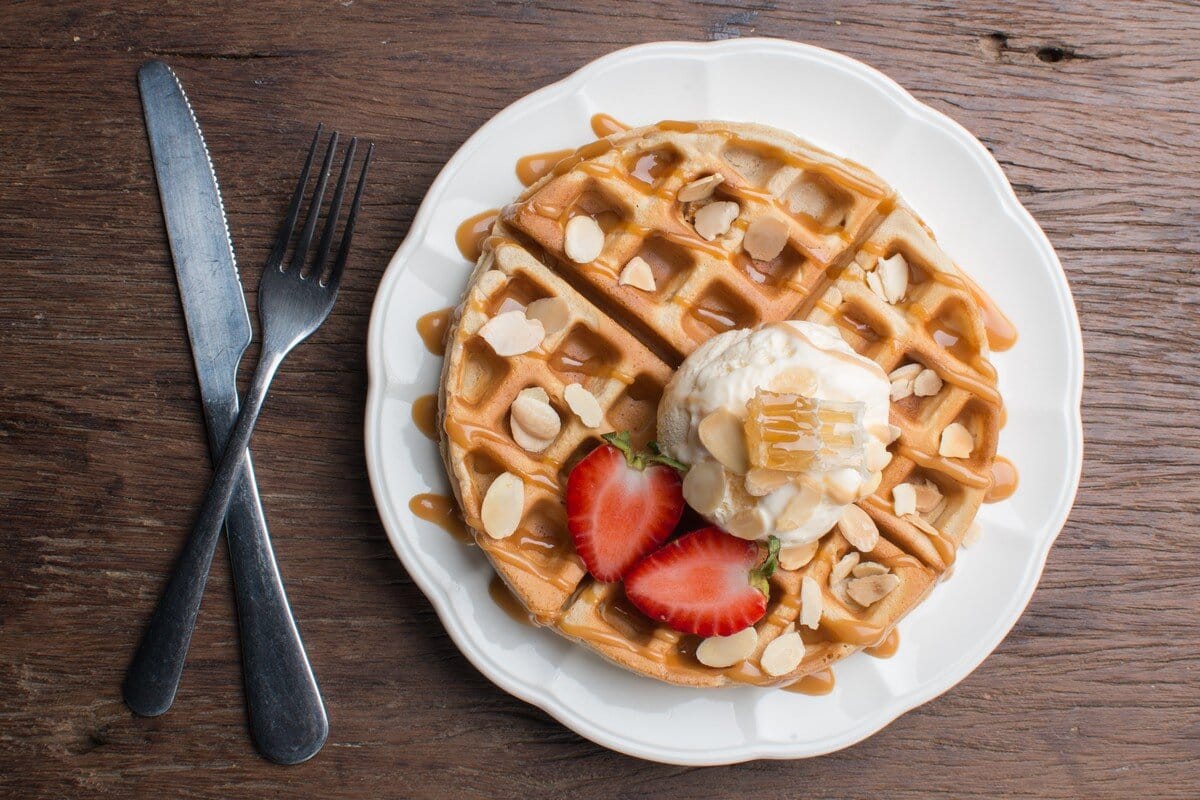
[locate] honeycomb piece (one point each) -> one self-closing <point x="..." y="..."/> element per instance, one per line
<point x="794" y="433"/>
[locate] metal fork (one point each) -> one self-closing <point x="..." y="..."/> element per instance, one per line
<point x="292" y="303"/>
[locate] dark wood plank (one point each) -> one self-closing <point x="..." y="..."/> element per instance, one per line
<point x="1091" y="108"/>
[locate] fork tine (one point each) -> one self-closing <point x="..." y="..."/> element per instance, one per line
<point x="335" y="206"/>
<point x="314" y="207"/>
<point x="289" y="223"/>
<point x="335" y="274"/>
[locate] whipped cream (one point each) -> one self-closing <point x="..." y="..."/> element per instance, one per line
<point x="792" y="357"/>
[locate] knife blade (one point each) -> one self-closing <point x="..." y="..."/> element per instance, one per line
<point x="287" y="716"/>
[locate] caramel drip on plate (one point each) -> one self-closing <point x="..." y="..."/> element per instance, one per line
<point x="533" y="167"/>
<point x="605" y="125"/>
<point x="887" y="648"/>
<point x="1004" y="481"/>
<point x="443" y="512"/>
<point x="817" y="683"/>
<point x="424" y="414"/>
<point x="1001" y="332"/>
<point x="852" y="631"/>
<point x="503" y="597"/>
<point x="472" y="231"/>
<point x="433" y="328"/>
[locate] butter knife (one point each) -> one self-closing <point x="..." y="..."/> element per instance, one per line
<point x="287" y="716"/>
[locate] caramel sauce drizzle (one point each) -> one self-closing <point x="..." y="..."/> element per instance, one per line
<point x="606" y="125"/>
<point x="503" y="596"/>
<point x="887" y="648"/>
<point x="535" y="166"/>
<point x="424" y="414"/>
<point x="815" y="683"/>
<point x="1004" y="481"/>
<point x="433" y="328"/>
<point x="472" y="231"/>
<point x="443" y="512"/>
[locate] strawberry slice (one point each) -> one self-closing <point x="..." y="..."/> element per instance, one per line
<point x="707" y="582"/>
<point x="621" y="505"/>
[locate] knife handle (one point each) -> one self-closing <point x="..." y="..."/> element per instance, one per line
<point x="287" y="717"/>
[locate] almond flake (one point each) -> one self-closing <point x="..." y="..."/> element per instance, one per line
<point x="760" y="481"/>
<point x="922" y="525"/>
<point x="748" y="524"/>
<point x="536" y="392"/>
<point x="765" y="238"/>
<point x="535" y="419"/>
<point x="875" y="284"/>
<point x="906" y="373"/>
<point x="799" y="508"/>
<point x="725" y="651"/>
<point x="927" y="384"/>
<point x="715" y="218"/>
<point x="583" y="240"/>
<point x="904" y="499"/>
<point x="893" y="278"/>
<point x="584" y="404"/>
<point x="894" y="432"/>
<point x="866" y="569"/>
<point x="511" y="333"/>
<point x="833" y="296"/>
<point x="795" y="556"/>
<point x="928" y="496"/>
<point x="699" y="189"/>
<point x="704" y="486"/>
<point x="900" y="390"/>
<point x="973" y="535"/>
<point x="877" y="455"/>
<point x="637" y="274"/>
<point x="841" y="570"/>
<point x="859" y="529"/>
<point x="782" y="655"/>
<point x="721" y="432"/>
<point x="842" y="485"/>
<point x="552" y="312"/>
<point x="872" y="483"/>
<point x="956" y="442"/>
<point x="502" y="506"/>
<point x="868" y="591"/>
<point x="811" y="601"/>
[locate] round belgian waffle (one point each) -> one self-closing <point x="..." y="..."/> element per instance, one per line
<point x="623" y="343"/>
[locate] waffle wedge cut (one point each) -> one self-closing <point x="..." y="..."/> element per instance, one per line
<point x="626" y="262"/>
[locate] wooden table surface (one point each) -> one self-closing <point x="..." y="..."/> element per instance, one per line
<point x="1092" y="109"/>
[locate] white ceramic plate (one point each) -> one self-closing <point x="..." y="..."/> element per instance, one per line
<point x="952" y="181"/>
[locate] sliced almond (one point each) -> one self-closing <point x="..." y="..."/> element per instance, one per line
<point x="907" y="372"/>
<point x="584" y="404"/>
<point x="760" y="481"/>
<point x="637" y="274"/>
<point x="868" y="591"/>
<point x="750" y="523"/>
<point x="536" y="392"/>
<point x="866" y="569"/>
<point x="894" y="432"/>
<point x="526" y="440"/>
<point x="859" y="529"/>
<point x="511" y="333"/>
<point x="795" y="556"/>
<point x="799" y="509"/>
<point x="870" y="485"/>
<point x="552" y="312"/>
<point x="502" y="506"/>
<point x="893" y="278"/>
<point x="765" y="238"/>
<point x="957" y="441"/>
<point x="928" y="496"/>
<point x="699" y="189"/>
<point x="875" y="284"/>
<point x="782" y="655"/>
<point x="900" y="390"/>
<point x="725" y="651"/>
<point x="811" y="602"/>
<point x="721" y="432"/>
<point x="704" y="486"/>
<point x="927" y="384"/>
<point x="833" y="297"/>
<point x="877" y="455"/>
<point x="973" y="535"/>
<point x="922" y="525"/>
<point x="841" y="570"/>
<point x="714" y="219"/>
<point x="535" y="417"/>
<point x="583" y="239"/>
<point x="904" y="499"/>
<point x="842" y="485"/>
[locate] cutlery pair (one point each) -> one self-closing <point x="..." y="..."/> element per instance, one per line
<point x="287" y="716"/>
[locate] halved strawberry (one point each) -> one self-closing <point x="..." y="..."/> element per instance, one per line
<point x="707" y="582"/>
<point x="621" y="505"/>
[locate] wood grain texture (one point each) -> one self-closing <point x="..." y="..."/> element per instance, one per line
<point x="1092" y="109"/>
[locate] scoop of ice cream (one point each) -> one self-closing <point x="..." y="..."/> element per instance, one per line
<point x="784" y="425"/>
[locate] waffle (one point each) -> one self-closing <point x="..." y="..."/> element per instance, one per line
<point x="623" y="345"/>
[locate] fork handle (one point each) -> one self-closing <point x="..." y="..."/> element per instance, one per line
<point x="153" y="677"/>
